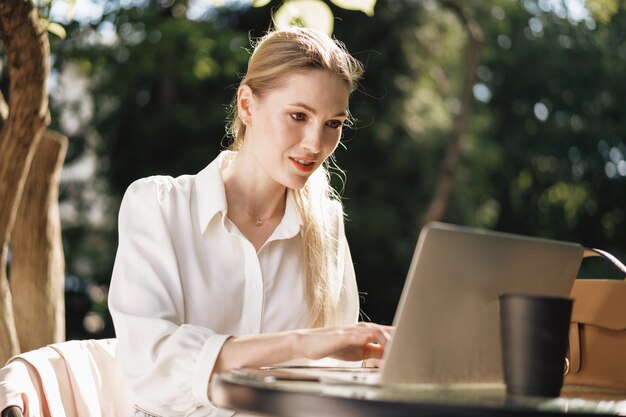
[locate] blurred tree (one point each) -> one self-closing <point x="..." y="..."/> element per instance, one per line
<point x="31" y="310"/>
<point x="543" y="153"/>
<point x="550" y="161"/>
<point x="410" y="98"/>
<point x="439" y="203"/>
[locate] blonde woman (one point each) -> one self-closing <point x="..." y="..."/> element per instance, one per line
<point x="245" y="263"/>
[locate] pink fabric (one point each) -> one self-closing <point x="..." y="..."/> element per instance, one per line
<point x="69" y="379"/>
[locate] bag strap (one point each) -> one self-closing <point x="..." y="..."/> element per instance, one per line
<point x="590" y="252"/>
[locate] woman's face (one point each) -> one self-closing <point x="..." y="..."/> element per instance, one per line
<point x="294" y="128"/>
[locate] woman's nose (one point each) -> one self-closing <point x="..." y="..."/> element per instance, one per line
<point x="312" y="140"/>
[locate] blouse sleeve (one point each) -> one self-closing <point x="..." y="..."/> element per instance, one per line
<point x="166" y="362"/>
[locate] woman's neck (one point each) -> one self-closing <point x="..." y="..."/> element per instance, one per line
<point x="256" y="203"/>
<point x="250" y="189"/>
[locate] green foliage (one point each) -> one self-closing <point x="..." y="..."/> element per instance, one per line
<point x="405" y="111"/>
<point x="544" y="153"/>
<point x="603" y="10"/>
<point x="559" y="121"/>
<point x="55" y="28"/>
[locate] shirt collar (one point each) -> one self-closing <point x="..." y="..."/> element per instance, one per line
<point x="211" y="199"/>
<point x="291" y="224"/>
<point x="210" y="193"/>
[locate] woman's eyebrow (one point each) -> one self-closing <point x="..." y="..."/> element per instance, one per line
<point x="312" y="110"/>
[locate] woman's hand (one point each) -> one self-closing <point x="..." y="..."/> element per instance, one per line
<point x="350" y="343"/>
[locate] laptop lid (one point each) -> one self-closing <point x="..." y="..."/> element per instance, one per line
<point x="447" y="320"/>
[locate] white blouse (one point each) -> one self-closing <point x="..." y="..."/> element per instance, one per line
<point x="185" y="279"/>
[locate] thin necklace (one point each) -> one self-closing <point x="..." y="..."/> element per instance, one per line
<point x="258" y="222"/>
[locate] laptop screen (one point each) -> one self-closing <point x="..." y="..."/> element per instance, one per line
<point x="447" y="321"/>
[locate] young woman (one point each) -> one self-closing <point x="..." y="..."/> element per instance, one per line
<point x="245" y="263"/>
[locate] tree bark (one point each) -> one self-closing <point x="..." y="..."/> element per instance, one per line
<point x="475" y="38"/>
<point x="27" y="50"/>
<point x="37" y="267"/>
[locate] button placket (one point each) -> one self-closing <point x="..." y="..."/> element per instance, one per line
<point x="253" y="297"/>
<point x="265" y="260"/>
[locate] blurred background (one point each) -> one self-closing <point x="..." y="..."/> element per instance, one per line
<point x="506" y="115"/>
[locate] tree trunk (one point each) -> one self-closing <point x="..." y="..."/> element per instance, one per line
<point x="475" y="38"/>
<point x="37" y="266"/>
<point x="27" y="50"/>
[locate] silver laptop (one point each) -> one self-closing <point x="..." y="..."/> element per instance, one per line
<point x="447" y="320"/>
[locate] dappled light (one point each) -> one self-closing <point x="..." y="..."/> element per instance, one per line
<point x="306" y="13"/>
<point x="569" y="197"/>
<point x="616" y="166"/>
<point x="482" y="92"/>
<point x="541" y="111"/>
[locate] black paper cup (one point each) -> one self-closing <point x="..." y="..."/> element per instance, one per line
<point x="534" y="333"/>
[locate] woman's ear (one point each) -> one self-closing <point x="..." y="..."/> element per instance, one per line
<point x="245" y="103"/>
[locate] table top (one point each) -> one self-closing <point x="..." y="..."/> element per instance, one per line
<point x="291" y="398"/>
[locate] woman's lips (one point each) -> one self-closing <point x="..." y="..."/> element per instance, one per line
<point x="303" y="164"/>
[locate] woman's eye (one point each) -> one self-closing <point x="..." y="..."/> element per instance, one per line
<point x="335" y="124"/>
<point x="297" y="116"/>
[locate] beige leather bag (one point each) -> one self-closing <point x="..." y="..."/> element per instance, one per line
<point x="597" y="336"/>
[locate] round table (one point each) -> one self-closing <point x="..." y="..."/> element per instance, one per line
<point x="291" y="398"/>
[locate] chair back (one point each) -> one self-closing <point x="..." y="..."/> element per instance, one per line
<point x="78" y="378"/>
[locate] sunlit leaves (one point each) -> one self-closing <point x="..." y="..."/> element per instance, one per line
<point x="366" y="6"/>
<point x="434" y="85"/>
<point x="602" y="10"/>
<point x="205" y="67"/>
<point x="571" y="198"/>
<point x="44" y="8"/>
<point x="56" y="29"/>
<point x="312" y="14"/>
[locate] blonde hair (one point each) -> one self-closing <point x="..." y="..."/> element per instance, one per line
<point x="276" y="55"/>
